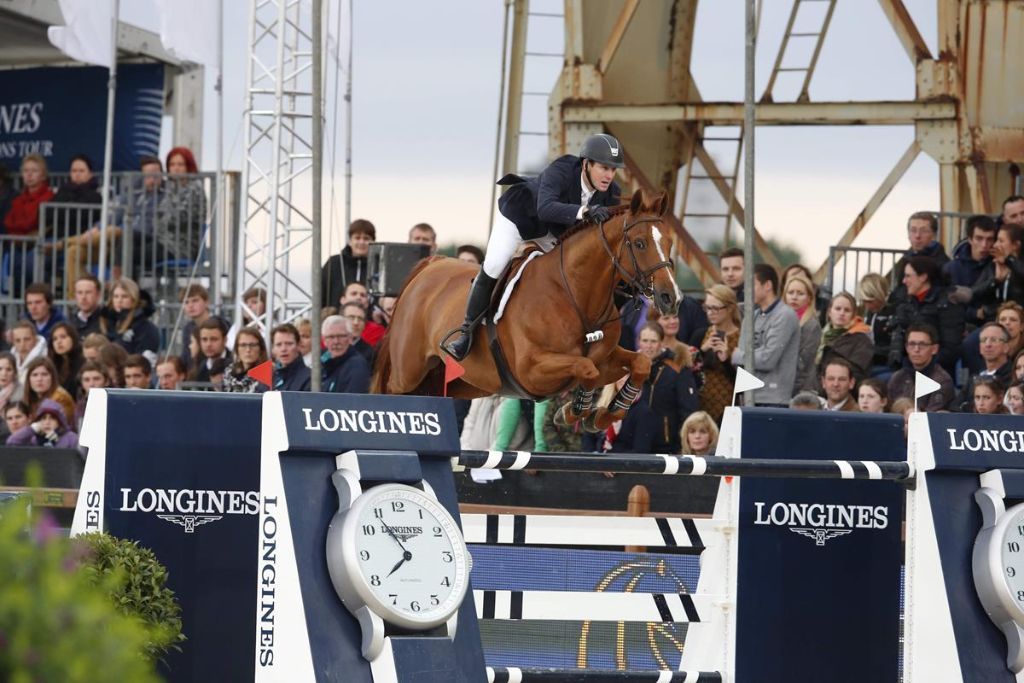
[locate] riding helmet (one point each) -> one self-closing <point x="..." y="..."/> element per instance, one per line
<point x="604" y="149"/>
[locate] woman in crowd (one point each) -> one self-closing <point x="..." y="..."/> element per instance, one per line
<point x="41" y="383"/>
<point x="799" y="295"/>
<point x="872" y="396"/>
<point x="92" y="344"/>
<point x="927" y="301"/>
<point x="721" y="339"/>
<point x="23" y="216"/>
<point x="1011" y="316"/>
<point x="15" y="417"/>
<point x="91" y="376"/>
<point x="10" y="387"/>
<point x="112" y="359"/>
<point x="846" y="336"/>
<point x="183" y="207"/>
<point x="873" y="292"/>
<point x="50" y="429"/>
<point x="250" y="351"/>
<point x="1018" y="366"/>
<point x="988" y="397"/>
<point x="126" y="321"/>
<point x="1015" y="398"/>
<point x="66" y="354"/>
<point x="26" y="345"/>
<point x="305" y="340"/>
<point x="699" y="434"/>
<point x="680" y="351"/>
<point x="82" y="188"/>
<point x="653" y="422"/>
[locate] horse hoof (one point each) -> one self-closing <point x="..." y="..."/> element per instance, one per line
<point x="564" y="418"/>
<point x="604" y="419"/>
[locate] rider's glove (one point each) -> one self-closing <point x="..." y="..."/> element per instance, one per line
<point x="598" y="214"/>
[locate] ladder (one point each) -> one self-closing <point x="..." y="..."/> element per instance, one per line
<point x="817" y="35"/>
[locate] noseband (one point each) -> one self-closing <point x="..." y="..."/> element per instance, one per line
<point x="641" y="281"/>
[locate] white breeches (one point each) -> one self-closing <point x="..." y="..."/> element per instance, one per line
<point x="504" y="242"/>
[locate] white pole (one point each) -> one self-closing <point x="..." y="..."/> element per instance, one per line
<point x="318" y="179"/>
<point x="220" y="235"/>
<point x="348" y="128"/>
<point x="748" y="190"/>
<point x="108" y="146"/>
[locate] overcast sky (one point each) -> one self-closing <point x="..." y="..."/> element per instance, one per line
<point x="426" y="81"/>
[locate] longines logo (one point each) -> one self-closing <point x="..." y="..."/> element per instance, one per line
<point x="372" y="421"/>
<point x="821" y="522"/>
<point x="403" y="533"/>
<point x="190" y="508"/>
<point x="996" y="440"/>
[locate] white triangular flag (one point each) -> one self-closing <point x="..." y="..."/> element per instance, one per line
<point x="87" y="33"/>
<point x="924" y="385"/>
<point x="744" y="382"/>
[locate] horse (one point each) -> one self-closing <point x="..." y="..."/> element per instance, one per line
<point x="560" y="327"/>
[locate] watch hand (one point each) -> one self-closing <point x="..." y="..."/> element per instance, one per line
<point x="405" y="557"/>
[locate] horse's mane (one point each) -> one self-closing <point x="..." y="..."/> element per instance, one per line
<point x="582" y="225"/>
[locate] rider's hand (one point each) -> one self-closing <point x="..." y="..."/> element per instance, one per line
<point x="598" y="214"/>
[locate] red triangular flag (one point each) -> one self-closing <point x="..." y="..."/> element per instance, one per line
<point x="263" y="373"/>
<point x="452" y="371"/>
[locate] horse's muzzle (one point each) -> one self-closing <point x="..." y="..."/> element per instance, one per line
<point x="666" y="301"/>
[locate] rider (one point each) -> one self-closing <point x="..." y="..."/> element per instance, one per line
<point x="571" y="189"/>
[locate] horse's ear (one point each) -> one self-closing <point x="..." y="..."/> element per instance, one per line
<point x="662" y="205"/>
<point x="637" y="202"/>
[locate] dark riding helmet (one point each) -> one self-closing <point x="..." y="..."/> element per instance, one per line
<point x="604" y="149"/>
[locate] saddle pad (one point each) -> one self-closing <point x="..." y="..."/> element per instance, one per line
<point x="507" y="292"/>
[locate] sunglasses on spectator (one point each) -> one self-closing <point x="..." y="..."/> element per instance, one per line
<point x="993" y="340"/>
<point x="712" y="309"/>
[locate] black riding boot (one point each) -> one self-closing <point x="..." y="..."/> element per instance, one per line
<point x="479" y="298"/>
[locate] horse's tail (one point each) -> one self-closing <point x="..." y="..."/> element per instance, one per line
<point x="382" y="366"/>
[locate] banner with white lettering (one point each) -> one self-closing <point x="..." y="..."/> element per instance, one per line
<point x="804" y="542"/>
<point x="976" y="442"/>
<point x="58" y="112"/>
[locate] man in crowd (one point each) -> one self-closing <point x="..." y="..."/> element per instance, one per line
<point x="731" y="265"/>
<point x="837" y="382"/>
<point x="922" y="346"/>
<point x="170" y="372"/>
<point x="348" y="266"/>
<point x="973" y="254"/>
<point x="39" y="308"/>
<point x="87" y="303"/>
<point x="1013" y="210"/>
<point x="470" y="254"/>
<point x="137" y="372"/>
<point x="356" y="293"/>
<point x="776" y="341"/>
<point x="922" y="233"/>
<point x="195" y="300"/>
<point x="354" y="314"/>
<point x="995" y="351"/>
<point x="1001" y="280"/>
<point x="423" y="233"/>
<point x="290" y="373"/>
<point x="345" y="370"/>
<point x="213" y="333"/>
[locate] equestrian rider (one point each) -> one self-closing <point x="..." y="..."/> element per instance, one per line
<point x="571" y="189"/>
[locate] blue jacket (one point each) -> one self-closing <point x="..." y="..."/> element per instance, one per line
<point x="292" y="377"/>
<point x="963" y="271"/>
<point x="349" y="373"/>
<point x="56" y="316"/>
<point x="551" y="201"/>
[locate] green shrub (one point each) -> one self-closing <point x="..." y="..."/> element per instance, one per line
<point x="136" y="580"/>
<point x="57" y="623"/>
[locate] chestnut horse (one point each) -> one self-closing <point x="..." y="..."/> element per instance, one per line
<point x="562" y="297"/>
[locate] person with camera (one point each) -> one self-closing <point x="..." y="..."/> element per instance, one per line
<point x="49" y="429"/>
<point x="721" y="339"/>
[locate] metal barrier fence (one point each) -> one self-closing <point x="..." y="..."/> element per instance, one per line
<point x="847" y="265"/>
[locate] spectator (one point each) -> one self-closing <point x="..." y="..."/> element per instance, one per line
<point x="693" y="322"/>
<point x="182" y="210"/>
<point x="926" y="301"/>
<point x="195" y="302"/>
<point x="972" y="255"/>
<point x="799" y="294"/>
<point x="92" y="344"/>
<point x="356" y="317"/>
<point x="213" y="333"/>
<point x="345" y="371"/>
<point x="1013" y="210"/>
<point x="10" y="387"/>
<point x="112" y="359"/>
<point x="305" y="329"/>
<point x="731" y="266"/>
<point x="39" y="308"/>
<point x="922" y="347"/>
<point x="383" y="310"/>
<point x="1011" y="316"/>
<point x="250" y="351"/>
<point x="6" y="192"/>
<point x="82" y="188"/>
<point x="988" y="397"/>
<point x="356" y="292"/>
<point x="922" y="230"/>
<point x="65" y="350"/>
<point x="806" y="400"/>
<point x="290" y="373"/>
<point x="126" y="320"/>
<point x="846" y="336"/>
<point x="27" y="345"/>
<point x="837" y="382"/>
<point x="23" y="216"/>
<point x="15" y="417"/>
<point x="1018" y="366"/>
<point x="872" y="396"/>
<point x="792" y="269"/>
<point x="716" y="349"/>
<point x="170" y="372"/>
<point x="470" y="254"/>
<point x="255" y="305"/>
<point x="50" y="429"/>
<point x="218" y="369"/>
<point x="87" y="304"/>
<point x="699" y="434"/>
<point x="423" y="233"/>
<point x="350" y="265"/>
<point x="776" y="341"/>
<point x="92" y="376"/>
<point x="666" y="399"/>
<point x="669" y="323"/>
<point x="1002" y="279"/>
<point x="873" y="292"/>
<point x="137" y="372"/>
<point x="995" y="352"/>
<point x="1014" y="399"/>
<point x="41" y="383"/>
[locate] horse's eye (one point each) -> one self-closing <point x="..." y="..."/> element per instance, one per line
<point x="640" y="244"/>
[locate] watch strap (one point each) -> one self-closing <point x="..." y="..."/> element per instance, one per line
<point x="418" y="658"/>
<point x="401" y="467"/>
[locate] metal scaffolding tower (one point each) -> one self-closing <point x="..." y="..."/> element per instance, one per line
<point x="277" y="216"/>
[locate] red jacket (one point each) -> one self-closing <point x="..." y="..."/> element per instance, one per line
<point x="373" y="333"/>
<point x="23" y="218"/>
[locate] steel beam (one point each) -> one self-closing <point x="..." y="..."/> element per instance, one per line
<point x="517" y="65"/>
<point x="906" y="30"/>
<point x="615" y="38"/>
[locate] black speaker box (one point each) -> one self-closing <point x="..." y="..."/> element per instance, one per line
<point x="389" y="264"/>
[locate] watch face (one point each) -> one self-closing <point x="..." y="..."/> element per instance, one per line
<point x="1011" y="554"/>
<point x="411" y="559"/>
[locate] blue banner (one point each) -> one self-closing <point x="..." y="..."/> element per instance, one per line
<point x="58" y="112"/>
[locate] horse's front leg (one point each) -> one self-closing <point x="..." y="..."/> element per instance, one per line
<point x="639" y="370"/>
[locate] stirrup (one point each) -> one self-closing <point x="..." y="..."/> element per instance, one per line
<point x="460" y="333"/>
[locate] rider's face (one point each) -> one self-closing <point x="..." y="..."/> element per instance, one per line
<point x="600" y="175"/>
